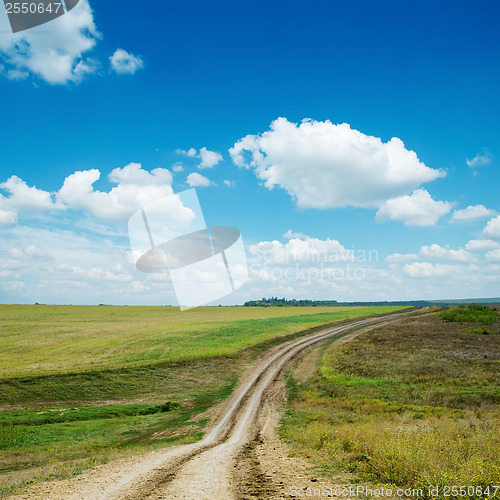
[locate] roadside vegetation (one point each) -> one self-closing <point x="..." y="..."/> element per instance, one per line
<point x="476" y="318"/>
<point x="411" y="405"/>
<point x="80" y="385"/>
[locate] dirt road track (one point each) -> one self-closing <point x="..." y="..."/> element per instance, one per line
<point x="239" y="458"/>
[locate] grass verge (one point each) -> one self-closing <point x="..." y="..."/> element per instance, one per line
<point x="412" y="405"/>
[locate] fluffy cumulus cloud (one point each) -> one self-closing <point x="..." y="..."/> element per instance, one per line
<point x="439" y="252"/>
<point x="308" y="267"/>
<point x="492" y="229"/>
<point x="324" y="165"/>
<point x="23" y="198"/>
<point x="428" y="270"/>
<point x="125" y="63"/>
<point x="8" y="218"/>
<point x="135" y="188"/>
<point x="457" y="273"/>
<point x="58" y="55"/>
<point x="472" y="212"/>
<point x="433" y="251"/>
<point x="59" y="52"/>
<point x="398" y="257"/>
<point x="292" y="234"/>
<point x="301" y="249"/>
<point x="493" y="255"/>
<point x="195" y="179"/>
<point x="484" y="157"/>
<point x="474" y="245"/>
<point x="58" y="265"/>
<point x="191" y="152"/>
<point x="208" y="158"/>
<point x="416" y="209"/>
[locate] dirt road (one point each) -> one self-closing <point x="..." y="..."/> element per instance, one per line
<point x="239" y="458"/>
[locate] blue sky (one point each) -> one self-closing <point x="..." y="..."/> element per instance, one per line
<point x="112" y="84"/>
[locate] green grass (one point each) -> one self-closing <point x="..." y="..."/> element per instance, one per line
<point x="53" y="416"/>
<point x="60" y="442"/>
<point x="472" y="313"/>
<point x="80" y="385"/>
<point x="37" y="340"/>
<point x="477" y="317"/>
<point x="412" y="404"/>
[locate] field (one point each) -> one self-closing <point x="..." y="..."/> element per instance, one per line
<point x="80" y="385"/>
<point x="414" y="404"/>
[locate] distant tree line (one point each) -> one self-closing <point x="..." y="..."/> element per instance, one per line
<point x="275" y="301"/>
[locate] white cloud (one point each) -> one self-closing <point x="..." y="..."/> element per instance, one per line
<point x="484" y="157"/>
<point x="96" y="274"/>
<point x="13" y="286"/>
<point x="428" y="270"/>
<point x="8" y="218"/>
<point x="125" y="63"/>
<point x="481" y="245"/>
<point x="208" y="158"/>
<point x="178" y="168"/>
<point x="472" y="212"/>
<point x="23" y="198"/>
<point x="17" y="74"/>
<point x="493" y="255"/>
<point x="133" y="174"/>
<point x="195" y="179"/>
<point x="29" y="251"/>
<point x="85" y="68"/>
<point x="191" y="152"/>
<point x="229" y="183"/>
<point x="302" y="250"/>
<point x="57" y="55"/>
<point x="290" y="234"/>
<point x="492" y="228"/>
<point x="417" y="209"/>
<point x="397" y="257"/>
<point x="136" y="188"/>
<point x="323" y="165"/>
<point x="432" y="252"/>
<point x="438" y="252"/>
<point x="61" y="266"/>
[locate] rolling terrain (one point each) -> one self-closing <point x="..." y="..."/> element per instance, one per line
<point x="83" y="385"/>
<point x="212" y="467"/>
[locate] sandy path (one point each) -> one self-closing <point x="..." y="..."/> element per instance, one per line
<point x="239" y="458"/>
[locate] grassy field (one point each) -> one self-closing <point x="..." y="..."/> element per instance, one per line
<point x="80" y="385"/>
<point x="38" y="340"/>
<point x="412" y="405"/>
